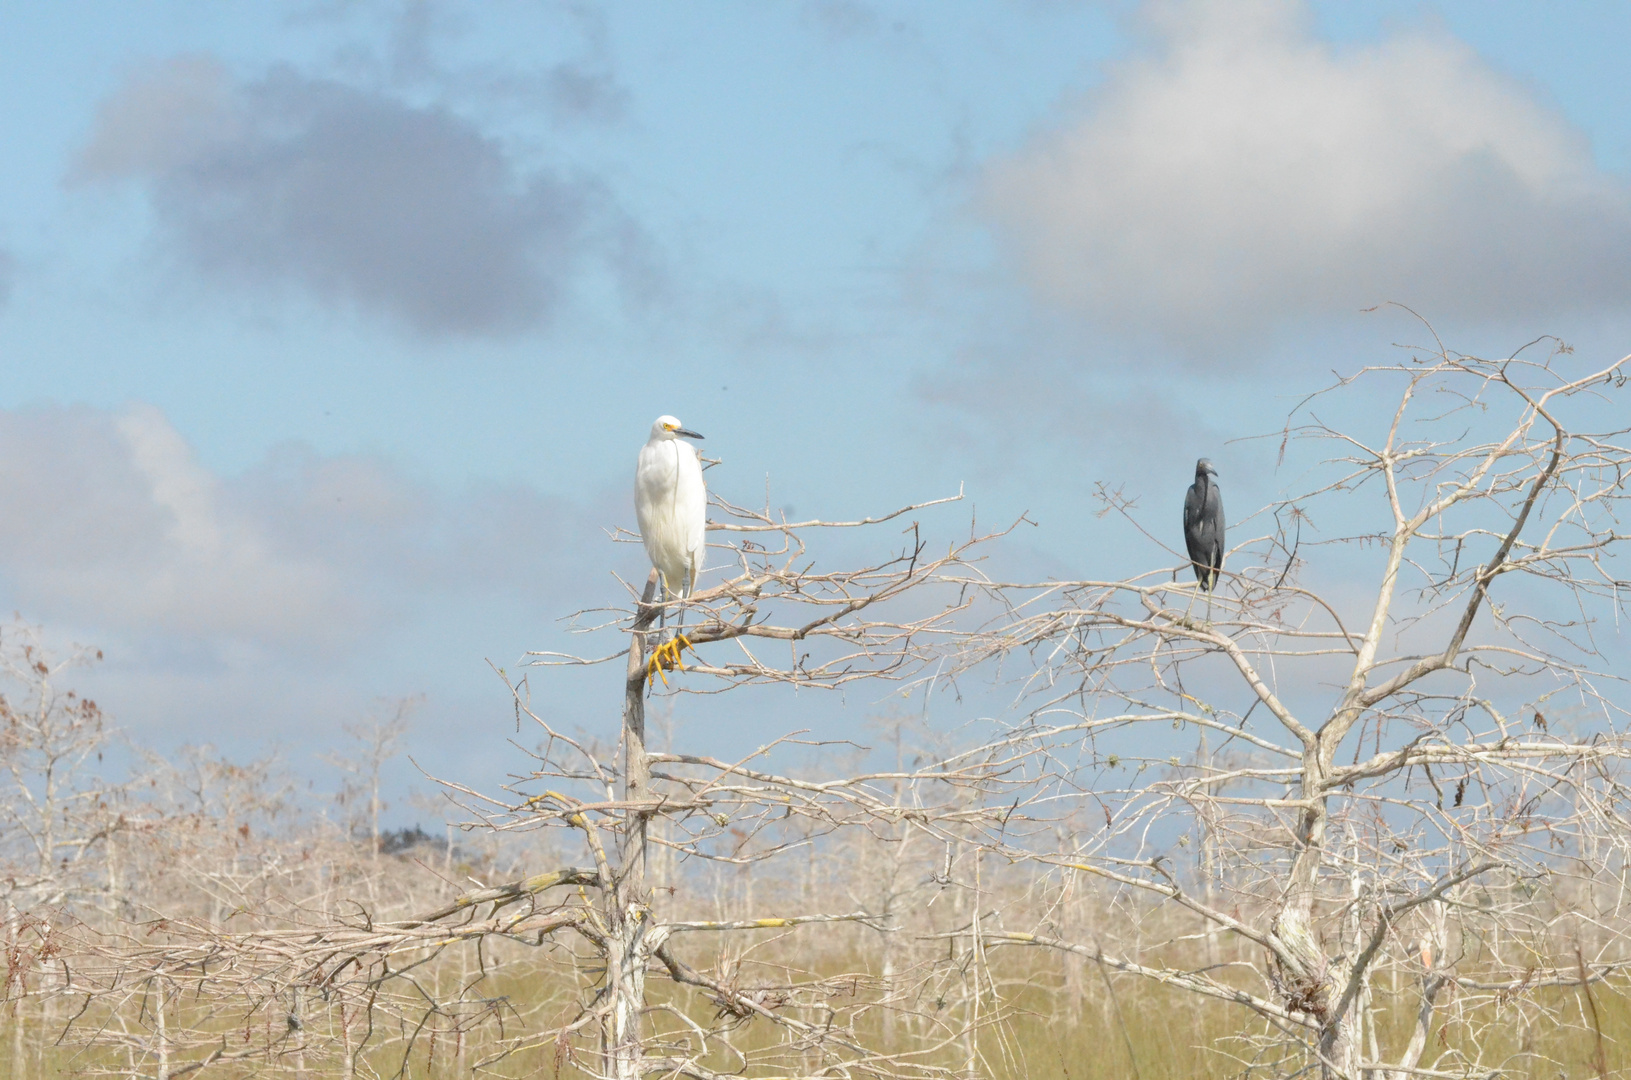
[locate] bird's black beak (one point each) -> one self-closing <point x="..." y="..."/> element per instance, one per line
<point x="689" y="434"/>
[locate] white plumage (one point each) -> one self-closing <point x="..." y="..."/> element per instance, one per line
<point x="671" y="504"/>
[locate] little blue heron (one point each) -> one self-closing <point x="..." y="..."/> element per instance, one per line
<point x="1203" y="525"/>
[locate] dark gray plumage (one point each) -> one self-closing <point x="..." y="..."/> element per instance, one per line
<point x="1203" y="525"/>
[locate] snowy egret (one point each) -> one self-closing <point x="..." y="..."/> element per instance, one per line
<point x="1203" y="525"/>
<point x="671" y="504"/>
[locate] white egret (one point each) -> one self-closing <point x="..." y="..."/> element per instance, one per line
<point x="671" y="504"/>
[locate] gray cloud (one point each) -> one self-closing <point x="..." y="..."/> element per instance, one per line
<point x="841" y="20"/>
<point x="577" y="92"/>
<point x="397" y="537"/>
<point x="1242" y="174"/>
<point x="585" y="89"/>
<point x="353" y="196"/>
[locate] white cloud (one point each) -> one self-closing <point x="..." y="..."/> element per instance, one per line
<point x="1242" y="173"/>
<point x="271" y="604"/>
<point x="111" y="522"/>
<point x="113" y="526"/>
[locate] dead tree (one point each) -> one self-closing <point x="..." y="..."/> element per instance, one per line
<point x="615" y="987"/>
<point x="886" y="622"/>
<point x="374" y="742"/>
<point x="1398" y="844"/>
<point x="1425" y="781"/>
<point x="55" y="805"/>
<point x="57" y="813"/>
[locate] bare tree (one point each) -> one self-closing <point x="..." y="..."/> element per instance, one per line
<point x="55" y="807"/>
<point x="1428" y="781"/>
<point x="1394" y="836"/>
<point x="886" y="621"/>
<point x="375" y="741"/>
<point x="346" y="962"/>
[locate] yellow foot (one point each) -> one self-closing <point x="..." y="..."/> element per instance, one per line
<point x="667" y="656"/>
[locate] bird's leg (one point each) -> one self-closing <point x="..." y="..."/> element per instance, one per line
<point x="667" y="654"/>
<point x="1203" y="583"/>
<point x="656" y="664"/>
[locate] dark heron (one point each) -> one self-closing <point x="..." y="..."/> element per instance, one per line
<point x="1203" y="525"/>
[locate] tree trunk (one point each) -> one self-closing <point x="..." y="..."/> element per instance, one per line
<point x="348" y="1064"/>
<point x="630" y="944"/>
<point x="1309" y="981"/>
<point x="163" y="1036"/>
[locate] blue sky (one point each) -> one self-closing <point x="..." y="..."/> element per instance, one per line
<point x="329" y="331"/>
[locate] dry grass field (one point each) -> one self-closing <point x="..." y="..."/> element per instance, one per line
<point x="83" y="999"/>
